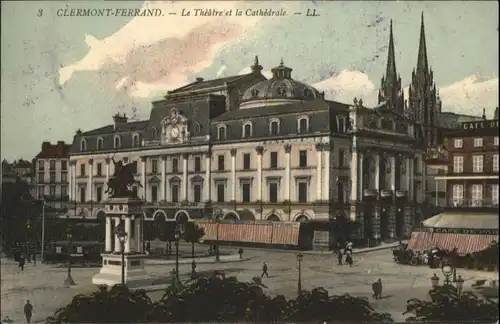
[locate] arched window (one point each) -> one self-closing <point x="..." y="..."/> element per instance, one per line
<point x="196" y="128"/>
<point x="221" y="132"/>
<point x="274" y="127"/>
<point x="83" y="145"/>
<point x="117" y="141"/>
<point x="303" y="125"/>
<point x="247" y="130"/>
<point x="100" y="143"/>
<point x="154" y="133"/>
<point x="135" y="140"/>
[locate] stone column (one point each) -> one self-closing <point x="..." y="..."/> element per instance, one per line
<point x="377" y="172"/>
<point x="185" y="157"/>
<point x="138" y="234"/>
<point x="360" y="177"/>
<point x="117" y="240"/>
<point x="207" y="183"/>
<point x="326" y="176"/>
<point x="410" y="174"/>
<point x="288" y="150"/>
<point x="260" y="151"/>
<point x="109" y="236"/>
<point x="233" y="174"/>
<point x="354" y="175"/>
<point x="163" y="180"/>
<point x="319" y="148"/>
<point x="90" y="183"/>
<point x="108" y="174"/>
<point x="143" y="178"/>
<point x="393" y="174"/>
<point x="128" y="230"/>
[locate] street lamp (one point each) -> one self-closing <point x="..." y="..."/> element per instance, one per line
<point x="217" y="254"/>
<point x="460" y="285"/>
<point x="299" y="285"/>
<point x="177" y="236"/>
<point x="122" y="237"/>
<point x="435" y="281"/>
<point x="447" y="270"/>
<point x="69" y="280"/>
<point x="42" y="252"/>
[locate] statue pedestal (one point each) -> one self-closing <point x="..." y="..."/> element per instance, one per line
<point x="123" y="215"/>
<point x="111" y="271"/>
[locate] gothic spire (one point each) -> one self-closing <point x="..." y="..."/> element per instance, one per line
<point x="422" y="64"/>
<point x="390" y="72"/>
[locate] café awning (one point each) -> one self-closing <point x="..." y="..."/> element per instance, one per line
<point x="465" y="243"/>
<point x="465" y="220"/>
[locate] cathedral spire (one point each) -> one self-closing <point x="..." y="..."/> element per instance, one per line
<point x="390" y="72"/>
<point x="422" y="64"/>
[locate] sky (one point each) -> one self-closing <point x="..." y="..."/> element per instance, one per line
<point x="62" y="73"/>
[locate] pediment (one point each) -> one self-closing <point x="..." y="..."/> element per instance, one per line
<point x="175" y="179"/>
<point x="154" y="179"/>
<point x="197" y="178"/>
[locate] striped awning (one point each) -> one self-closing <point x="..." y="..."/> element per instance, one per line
<point x="286" y="233"/>
<point x="465" y="243"/>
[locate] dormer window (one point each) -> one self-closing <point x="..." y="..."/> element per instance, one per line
<point x="221" y="132"/>
<point x="100" y="143"/>
<point x="303" y="124"/>
<point x="83" y="145"/>
<point x="307" y="93"/>
<point x="255" y="93"/>
<point x="154" y="133"/>
<point x="135" y="140"/>
<point x="274" y="127"/>
<point x="247" y="130"/>
<point x="117" y="141"/>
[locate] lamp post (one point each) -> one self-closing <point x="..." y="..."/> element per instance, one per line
<point x="69" y="280"/>
<point x="435" y="281"/>
<point x="299" y="284"/>
<point x="460" y="285"/>
<point x="42" y="252"/>
<point x="447" y="270"/>
<point x="217" y="254"/>
<point x="177" y="236"/>
<point x="122" y="237"/>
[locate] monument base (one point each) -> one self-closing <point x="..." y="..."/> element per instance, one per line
<point x="111" y="271"/>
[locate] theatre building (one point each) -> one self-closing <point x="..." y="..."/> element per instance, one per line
<point x="470" y="219"/>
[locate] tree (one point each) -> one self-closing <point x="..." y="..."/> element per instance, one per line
<point x="446" y="305"/>
<point x="193" y="234"/>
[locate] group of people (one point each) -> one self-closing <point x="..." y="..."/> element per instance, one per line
<point x="347" y="252"/>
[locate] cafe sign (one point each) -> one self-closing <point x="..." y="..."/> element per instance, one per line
<point x="480" y="124"/>
<point x="465" y="231"/>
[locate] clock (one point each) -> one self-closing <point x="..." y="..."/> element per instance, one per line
<point x="174" y="132"/>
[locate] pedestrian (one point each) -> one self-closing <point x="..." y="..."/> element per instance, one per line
<point x="240" y="252"/>
<point x="348" y="247"/>
<point x="377" y="289"/>
<point x="339" y="257"/>
<point x="264" y="270"/>
<point x="348" y="259"/>
<point x="28" y="311"/>
<point x="22" y="261"/>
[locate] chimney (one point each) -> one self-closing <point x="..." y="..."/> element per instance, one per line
<point x="45" y="146"/>
<point x="199" y="79"/>
<point x="60" y="148"/>
<point x="120" y="119"/>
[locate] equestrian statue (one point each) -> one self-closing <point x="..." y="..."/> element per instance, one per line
<point x="119" y="185"/>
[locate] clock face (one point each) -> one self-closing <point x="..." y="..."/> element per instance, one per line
<point x="174" y="132"/>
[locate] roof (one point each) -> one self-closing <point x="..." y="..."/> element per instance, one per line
<point x="120" y="128"/>
<point x="465" y="220"/>
<point x="289" y="108"/>
<point x="200" y="84"/>
<point x="59" y="150"/>
<point x="452" y="120"/>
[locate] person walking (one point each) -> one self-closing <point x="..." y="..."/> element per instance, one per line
<point x="22" y="261"/>
<point x="339" y="257"/>
<point x="240" y="252"/>
<point x="348" y="258"/>
<point x="377" y="289"/>
<point x="264" y="270"/>
<point x="28" y="311"/>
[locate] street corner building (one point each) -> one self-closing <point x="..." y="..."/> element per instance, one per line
<point x="272" y="153"/>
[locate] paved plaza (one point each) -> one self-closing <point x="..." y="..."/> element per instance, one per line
<point x="43" y="284"/>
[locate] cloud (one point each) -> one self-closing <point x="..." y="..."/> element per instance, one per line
<point x="248" y="69"/>
<point x="221" y="72"/>
<point x="346" y="85"/>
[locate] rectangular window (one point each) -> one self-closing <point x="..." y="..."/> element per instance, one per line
<point x="477" y="163"/>
<point x="175" y="193"/>
<point x="220" y="192"/>
<point x="273" y="192"/>
<point x="64" y="177"/>
<point x="154" y="193"/>
<point x="41" y="177"/>
<point x="273" y="157"/>
<point x="477" y="195"/>
<point x="52" y="191"/>
<point x="83" y="192"/>
<point x="458" y="194"/>
<point x="302" y="192"/>
<point x="246" y="161"/>
<point x="494" y="194"/>
<point x="197" y="193"/>
<point x="99" y="169"/>
<point x="52" y="165"/>
<point x="495" y="163"/>
<point x="64" y="165"/>
<point x="302" y="159"/>
<point x="197" y="164"/>
<point x="134" y="191"/>
<point x="41" y="165"/>
<point x="458" y="143"/>
<point x="220" y="163"/>
<point x="478" y="142"/>
<point x="495" y="140"/>
<point x="98" y="193"/>
<point x="82" y="170"/>
<point x="52" y="177"/>
<point x="458" y="164"/>
<point x="64" y="191"/>
<point x="175" y="165"/>
<point x="41" y="192"/>
<point x="341" y="158"/>
<point x="154" y="166"/>
<point x="245" y="192"/>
